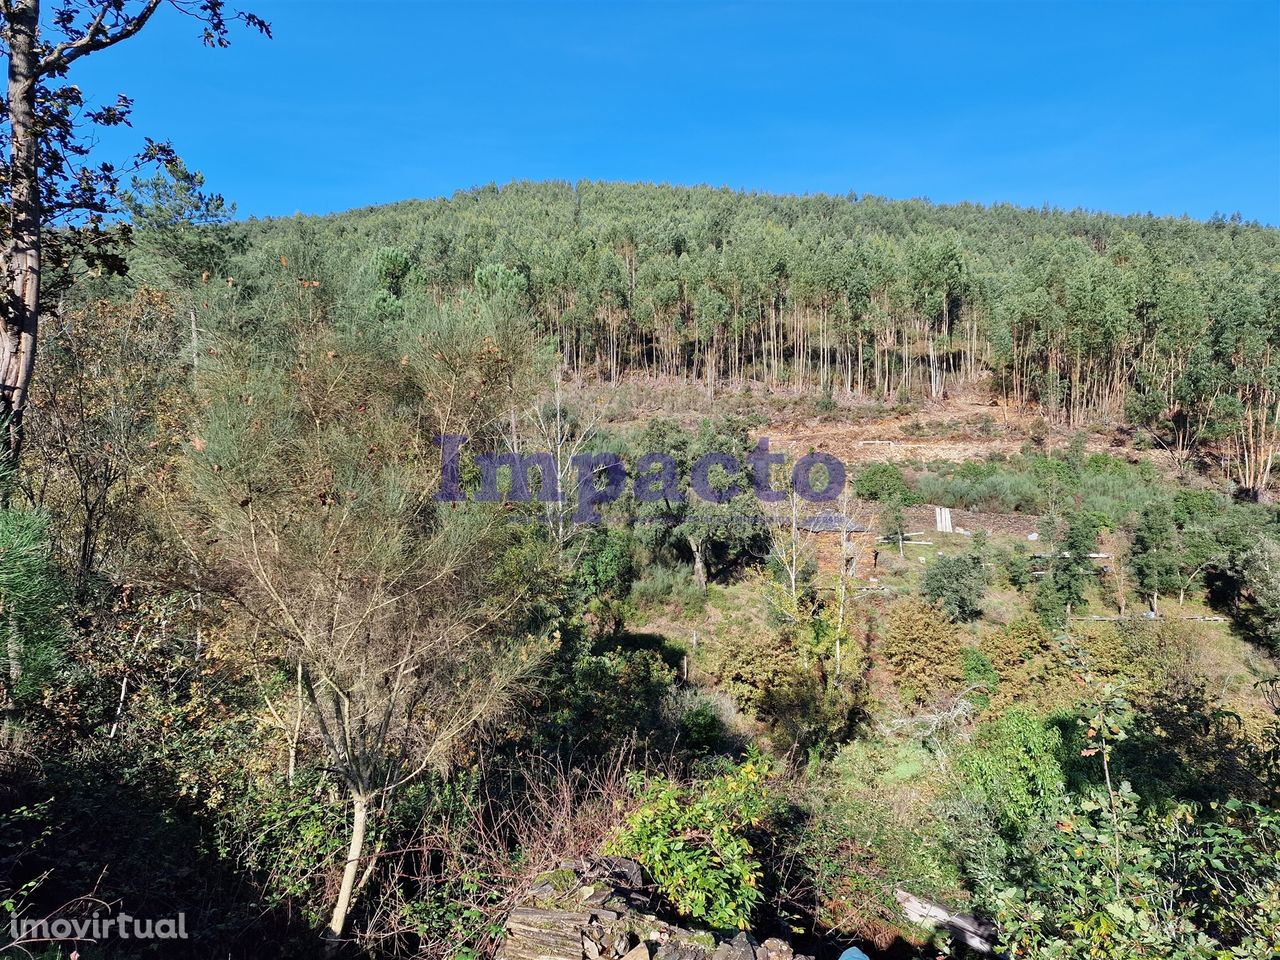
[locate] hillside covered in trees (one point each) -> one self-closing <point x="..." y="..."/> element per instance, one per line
<point x="1169" y="323"/>
<point x="1020" y="663"/>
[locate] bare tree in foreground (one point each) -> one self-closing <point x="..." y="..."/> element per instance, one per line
<point x="403" y="617"/>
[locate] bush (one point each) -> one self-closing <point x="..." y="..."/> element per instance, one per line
<point x="668" y="587"/>
<point x="922" y="648"/>
<point x="956" y="584"/>
<point x="1012" y="762"/>
<point x="868" y="823"/>
<point x="605" y="567"/>
<point x="31" y="596"/>
<point x="1195" y="506"/>
<point x="603" y="697"/>
<point x="1031" y="667"/>
<point x="884" y="482"/>
<point x="756" y="666"/>
<point x="979" y="672"/>
<point x="1017" y="567"/>
<point x="693" y="840"/>
<point x="1116" y="881"/>
<point x="701" y="729"/>
<point x="983" y="486"/>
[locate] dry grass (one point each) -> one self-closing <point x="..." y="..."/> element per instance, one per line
<point x="481" y="859"/>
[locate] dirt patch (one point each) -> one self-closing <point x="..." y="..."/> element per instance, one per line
<point x="949" y="430"/>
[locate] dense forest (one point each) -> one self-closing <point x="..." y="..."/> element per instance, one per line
<point x="259" y="676"/>
<point x="1169" y="323"/>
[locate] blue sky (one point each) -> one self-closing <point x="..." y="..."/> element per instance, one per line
<point x="1124" y="106"/>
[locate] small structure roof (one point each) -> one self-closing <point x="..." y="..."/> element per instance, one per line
<point x="830" y="521"/>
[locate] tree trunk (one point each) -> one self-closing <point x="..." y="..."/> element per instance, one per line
<point x="13" y="657"/>
<point x="22" y="258"/>
<point x="338" y="922"/>
<point x="699" y="564"/>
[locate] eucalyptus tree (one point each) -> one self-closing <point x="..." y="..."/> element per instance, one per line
<point x="1245" y="332"/>
<point x="1155" y="553"/>
<point x="49" y="179"/>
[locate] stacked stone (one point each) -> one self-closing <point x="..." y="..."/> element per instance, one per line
<point x="602" y="911"/>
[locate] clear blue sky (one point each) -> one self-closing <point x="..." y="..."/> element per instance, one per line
<point x="1123" y="106"/>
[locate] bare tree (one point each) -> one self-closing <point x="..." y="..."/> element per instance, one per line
<point x="791" y="544"/>
<point x="313" y="483"/>
<point x="564" y="438"/>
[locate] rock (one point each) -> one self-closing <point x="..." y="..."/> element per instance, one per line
<point x="627" y="872"/>
<point x="595" y="896"/>
<point x="676" y="950"/>
<point x="534" y="933"/>
<point x="536" y="918"/>
<point x="741" y="947"/>
<point x="601" y="910"/>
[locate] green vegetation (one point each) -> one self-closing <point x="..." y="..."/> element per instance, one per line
<point x="956" y="584"/>
<point x="695" y="844"/>
<point x="1088" y="316"/>
<point x="257" y="671"/>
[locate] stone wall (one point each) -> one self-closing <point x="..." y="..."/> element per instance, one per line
<point x="602" y="910"/>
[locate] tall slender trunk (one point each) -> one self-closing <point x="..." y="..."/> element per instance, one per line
<point x="359" y="819"/>
<point x="699" y="564"/>
<point x="22" y="258"/>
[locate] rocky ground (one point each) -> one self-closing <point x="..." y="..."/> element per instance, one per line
<point x="601" y="910"/>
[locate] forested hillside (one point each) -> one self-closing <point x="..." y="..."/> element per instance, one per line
<point x="1170" y="323"/>
<point x="1019" y="663"/>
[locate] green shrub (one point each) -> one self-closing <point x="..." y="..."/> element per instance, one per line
<point x="32" y="595"/>
<point x="1194" y="506"/>
<point x="884" y="482"/>
<point x="983" y="486"/>
<point x="956" y="584"/>
<point x="979" y="672"/>
<point x="1012" y="761"/>
<point x="290" y="834"/>
<point x="867" y="822"/>
<point x="1016" y="564"/>
<point x="1118" y="882"/>
<point x="701" y="729"/>
<point x="693" y="840"/>
<point x="605" y="696"/>
<point x="661" y="586"/>
<point x="605" y="566"/>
